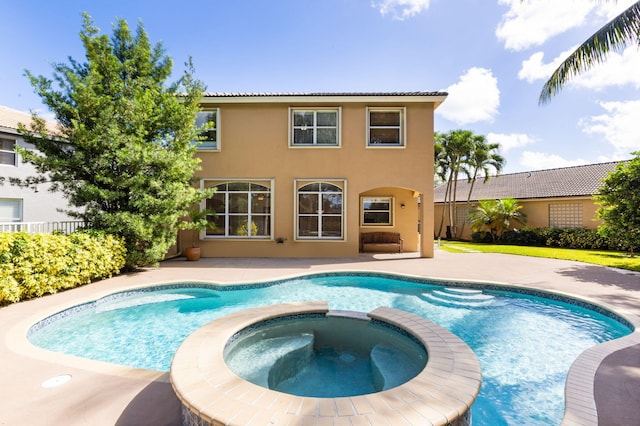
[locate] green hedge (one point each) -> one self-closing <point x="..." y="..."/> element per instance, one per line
<point x="32" y="265"/>
<point x="573" y="238"/>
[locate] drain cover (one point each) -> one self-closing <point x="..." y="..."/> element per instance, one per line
<point x="56" y="381"/>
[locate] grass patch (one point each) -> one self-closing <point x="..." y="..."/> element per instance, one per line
<point x="613" y="259"/>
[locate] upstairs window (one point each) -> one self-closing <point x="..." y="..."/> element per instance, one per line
<point x="7" y="152"/>
<point x="385" y="127"/>
<point x="208" y="121"/>
<point x="377" y="211"/>
<point x="315" y="127"/>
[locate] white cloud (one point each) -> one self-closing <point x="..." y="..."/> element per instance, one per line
<point x="607" y="10"/>
<point x="531" y="160"/>
<point x="619" y="126"/>
<point x="400" y="9"/>
<point x="533" y="22"/>
<point x="475" y="98"/>
<point x="510" y="141"/>
<point x="619" y="69"/>
<point x="535" y="69"/>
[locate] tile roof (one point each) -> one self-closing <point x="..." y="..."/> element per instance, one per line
<point x="437" y="98"/>
<point x="9" y="119"/>
<point x="327" y="94"/>
<point x="552" y="183"/>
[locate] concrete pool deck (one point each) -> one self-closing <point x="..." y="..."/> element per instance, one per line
<point x="106" y="394"/>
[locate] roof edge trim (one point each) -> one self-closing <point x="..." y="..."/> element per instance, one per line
<point x="403" y="97"/>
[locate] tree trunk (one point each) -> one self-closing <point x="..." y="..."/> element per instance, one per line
<point x="473" y="181"/>
<point x="454" y="208"/>
<point x="444" y="207"/>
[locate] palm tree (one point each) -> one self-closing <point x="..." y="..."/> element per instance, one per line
<point x="441" y="166"/>
<point x="483" y="156"/>
<point x="452" y="150"/>
<point x="496" y="216"/>
<point x="622" y="30"/>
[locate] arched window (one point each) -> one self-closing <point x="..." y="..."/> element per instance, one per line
<point x="320" y="211"/>
<point x="243" y="210"/>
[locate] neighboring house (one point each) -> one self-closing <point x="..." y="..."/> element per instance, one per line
<point x="303" y="175"/>
<point x="20" y="204"/>
<point x="554" y="198"/>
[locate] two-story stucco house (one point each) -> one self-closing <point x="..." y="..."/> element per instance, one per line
<point x="19" y="204"/>
<point x="303" y="175"/>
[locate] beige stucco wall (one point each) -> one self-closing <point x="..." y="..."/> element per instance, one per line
<point x="406" y="219"/>
<point x="254" y="143"/>
<point x="537" y="212"/>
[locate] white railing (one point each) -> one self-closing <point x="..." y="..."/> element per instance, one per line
<point x="66" y="227"/>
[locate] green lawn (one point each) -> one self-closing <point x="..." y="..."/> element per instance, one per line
<point x="613" y="259"/>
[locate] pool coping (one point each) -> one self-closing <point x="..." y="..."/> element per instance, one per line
<point x="442" y="393"/>
<point x="580" y="404"/>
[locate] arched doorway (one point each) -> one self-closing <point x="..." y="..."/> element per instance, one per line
<point x="393" y="210"/>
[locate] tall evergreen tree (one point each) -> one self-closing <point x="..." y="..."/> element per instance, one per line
<point x="124" y="157"/>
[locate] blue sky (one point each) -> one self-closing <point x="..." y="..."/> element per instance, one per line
<point x="491" y="56"/>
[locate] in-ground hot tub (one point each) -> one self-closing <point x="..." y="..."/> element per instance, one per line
<point x="301" y="361"/>
<point x="325" y="355"/>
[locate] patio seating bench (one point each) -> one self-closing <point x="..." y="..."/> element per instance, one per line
<point x="381" y="242"/>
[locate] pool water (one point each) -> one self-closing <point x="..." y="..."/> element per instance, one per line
<point x="317" y="356"/>
<point x="525" y="344"/>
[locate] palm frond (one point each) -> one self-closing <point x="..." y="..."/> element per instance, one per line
<point x="624" y="29"/>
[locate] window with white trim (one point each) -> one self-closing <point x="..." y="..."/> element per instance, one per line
<point x="242" y="209"/>
<point x="10" y="210"/>
<point x="7" y="152"/>
<point x="315" y="127"/>
<point x="320" y="210"/>
<point x="377" y="211"/>
<point x="208" y="122"/>
<point x="386" y="127"/>
<point x="565" y="215"/>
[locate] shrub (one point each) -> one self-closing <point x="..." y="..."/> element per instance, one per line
<point x="9" y="288"/>
<point x="573" y="238"/>
<point x="32" y="265"/>
<point x="580" y="238"/>
<point x="481" y="237"/>
<point x="523" y="237"/>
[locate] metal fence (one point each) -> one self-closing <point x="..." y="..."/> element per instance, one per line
<point x="66" y="227"/>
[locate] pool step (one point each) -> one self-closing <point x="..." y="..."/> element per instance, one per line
<point x="463" y="294"/>
<point x="459" y="297"/>
<point x="391" y="367"/>
<point x="272" y="360"/>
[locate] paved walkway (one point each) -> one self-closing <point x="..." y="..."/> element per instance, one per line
<point x="105" y="394"/>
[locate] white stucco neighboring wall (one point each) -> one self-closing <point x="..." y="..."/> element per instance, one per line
<point x="22" y="204"/>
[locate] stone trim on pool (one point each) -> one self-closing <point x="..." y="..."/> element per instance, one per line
<point x="211" y="394"/>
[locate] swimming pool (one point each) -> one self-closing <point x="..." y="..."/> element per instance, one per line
<point x="525" y="343"/>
